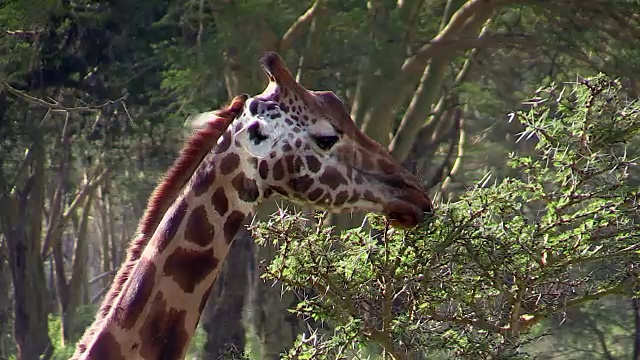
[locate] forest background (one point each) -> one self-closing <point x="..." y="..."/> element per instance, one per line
<point x="494" y="103"/>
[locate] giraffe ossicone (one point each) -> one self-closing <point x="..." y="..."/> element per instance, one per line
<point x="288" y="141"/>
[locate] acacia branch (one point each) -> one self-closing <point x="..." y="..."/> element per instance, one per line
<point x="298" y="26"/>
<point x="102" y="276"/>
<point x="54" y="229"/>
<point x="454" y="27"/>
<point x="384" y="340"/>
<point x="476" y="323"/>
<point x="89" y="186"/>
<point x="447" y="47"/>
<point x="460" y="155"/>
<point x="23" y="34"/>
<point x="526" y="321"/>
<point x="54" y="105"/>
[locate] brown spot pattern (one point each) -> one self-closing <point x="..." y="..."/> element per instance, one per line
<point x="278" y="170"/>
<point x="279" y="190"/>
<point x="136" y="294"/>
<point x="229" y="163"/>
<point x="354" y="197"/>
<point x="219" y="201"/>
<point x="173" y="224"/>
<point x="232" y="224"/>
<point x="301" y="183"/>
<point x="247" y="188"/>
<point x="224" y="144"/>
<point x="203" y="180"/>
<point x="263" y="169"/>
<point x="341" y="197"/>
<point x="315" y="194"/>
<point x="368" y="195"/>
<point x="106" y="347"/>
<point x="326" y="200"/>
<point x="332" y="178"/>
<point x="313" y="163"/>
<point x="163" y="333"/>
<point x="189" y="267"/>
<point x="199" y="230"/>
<point x="289" y="160"/>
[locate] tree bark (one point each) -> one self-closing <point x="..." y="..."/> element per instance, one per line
<point x="635" y="303"/>
<point x="106" y="230"/>
<point x="78" y="272"/>
<point x="5" y="304"/>
<point x="222" y="316"/>
<point x="429" y="88"/>
<point x="22" y="224"/>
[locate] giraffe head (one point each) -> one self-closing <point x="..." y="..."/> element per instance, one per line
<point x="307" y="148"/>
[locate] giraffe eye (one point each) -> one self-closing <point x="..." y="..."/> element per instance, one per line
<point x="325" y="142"/>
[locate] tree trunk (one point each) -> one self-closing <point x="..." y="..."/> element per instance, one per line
<point x="275" y="327"/>
<point x="5" y="306"/>
<point x="635" y="303"/>
<point x="106" y="229"/>
<point x="30" y="322"/>
<point x="62" y="287"/>
<point x="78" y="273"/>
<point x="22" y="225"/>
<point x="222" y="316"/>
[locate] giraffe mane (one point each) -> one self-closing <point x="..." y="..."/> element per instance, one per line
<point x="196" y="148"/>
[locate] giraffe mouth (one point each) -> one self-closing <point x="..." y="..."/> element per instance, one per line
<point x="406" y="214"/>
<point x="407" y="202"/>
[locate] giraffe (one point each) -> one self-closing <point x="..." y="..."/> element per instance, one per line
<point x="286" y="141"/>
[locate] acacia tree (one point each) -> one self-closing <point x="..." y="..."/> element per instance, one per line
<point x="409" y="85"/>
<point x="476" y="280"/>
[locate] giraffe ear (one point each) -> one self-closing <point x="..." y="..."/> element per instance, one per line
<point x="257" y="138"/>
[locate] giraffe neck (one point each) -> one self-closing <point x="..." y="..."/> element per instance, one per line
<point x="157" y="311"/>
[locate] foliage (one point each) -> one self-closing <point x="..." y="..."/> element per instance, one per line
<point x="477" y="277"/>
<point x="84" y="316"/>
<point x="601" y="329"/>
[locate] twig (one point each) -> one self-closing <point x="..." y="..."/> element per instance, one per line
<point x="54" y="105"/>
<point x="458" y="161"/>
<point x="23" y="34"/>
<point x="97" y="296"/>
<point x="102" y="276"/>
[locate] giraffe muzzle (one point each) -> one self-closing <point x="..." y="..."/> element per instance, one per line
<point x="409" y="209"/>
